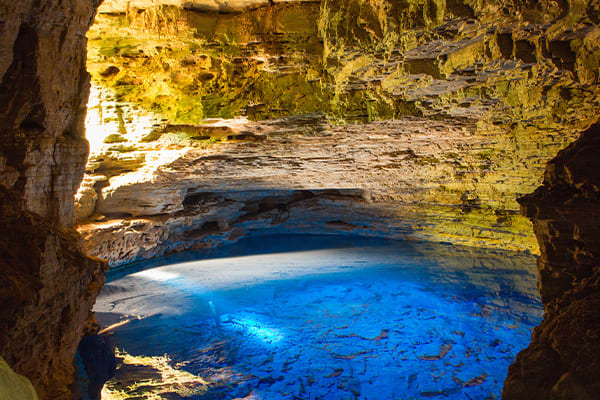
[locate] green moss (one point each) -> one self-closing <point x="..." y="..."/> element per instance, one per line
<point x="152" y="136"/>
<point x="114" y="138"/>
<point x="123" y="149"/>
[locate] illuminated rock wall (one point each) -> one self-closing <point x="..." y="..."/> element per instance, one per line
<point x="520" y="87"/>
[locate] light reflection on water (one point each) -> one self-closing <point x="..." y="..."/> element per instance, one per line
<point x="315" y="317"/>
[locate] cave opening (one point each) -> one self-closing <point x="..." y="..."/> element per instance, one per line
<point x="300" y="199"/>
<point x="209" y="127"/>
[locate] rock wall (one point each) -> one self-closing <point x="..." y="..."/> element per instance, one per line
<point x="563" y="360"/>
<point x="442" y="111"/>
<point x="345" y="179"/>
<point x="47" y="283"/>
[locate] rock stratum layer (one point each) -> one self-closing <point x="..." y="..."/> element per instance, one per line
<point x="563" y="360"/>
<point x="47" y="283"/>
<point x="367" y="179"/>
<point x="439" y="113"/>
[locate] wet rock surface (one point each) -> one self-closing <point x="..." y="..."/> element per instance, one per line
<point x="562" y="360"/>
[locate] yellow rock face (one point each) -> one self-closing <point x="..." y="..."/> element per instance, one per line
<point x="520" y="87"/>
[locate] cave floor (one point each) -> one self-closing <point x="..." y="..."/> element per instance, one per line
<point x="320" y="317"/>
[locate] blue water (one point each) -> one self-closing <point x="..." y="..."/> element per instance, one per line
<point x="326" y="317"/>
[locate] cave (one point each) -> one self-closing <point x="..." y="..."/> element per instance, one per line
<point x="293" y="199"/>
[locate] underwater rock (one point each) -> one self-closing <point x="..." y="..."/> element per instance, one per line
<point x="304" y="315"/>
<point x="98" y="355"/>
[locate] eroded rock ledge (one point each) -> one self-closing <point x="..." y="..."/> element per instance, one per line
<point x="222" y="6"/>
<point x="563" y="360"/>
<point x="369" y="179"/>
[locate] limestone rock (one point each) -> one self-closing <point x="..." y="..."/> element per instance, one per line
<point x="47" y="284"/>
<point x="85" y="199"/>
<point x="523" y="89"/>
<point x="42" y="102"/>
<point x="47" y="288"/>
<point x="224" y="6"/>
<point x="563" y="360"/>
<point x="353" y="178"/>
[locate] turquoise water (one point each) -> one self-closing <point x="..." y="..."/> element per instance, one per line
<point x="327" y="317"/>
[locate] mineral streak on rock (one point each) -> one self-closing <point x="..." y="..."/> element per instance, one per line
<point x="47" y="283"/>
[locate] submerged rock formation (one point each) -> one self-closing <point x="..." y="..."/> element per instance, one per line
<point x="563" y="360"/>
<point x="47" y="283"/>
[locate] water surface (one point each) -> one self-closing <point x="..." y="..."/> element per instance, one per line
<point x="326" y="317"/>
